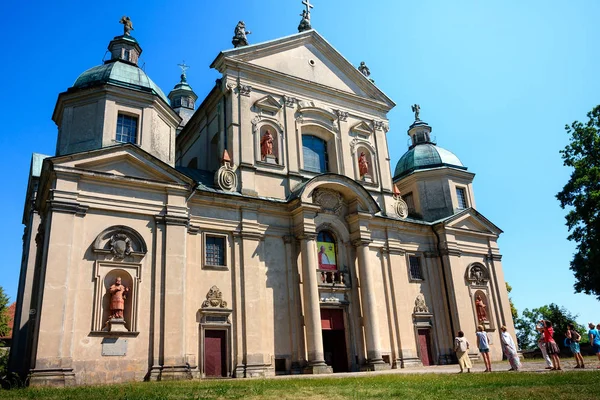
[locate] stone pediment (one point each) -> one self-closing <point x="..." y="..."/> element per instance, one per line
<point x="123" y="161"/>
<point x="269" y="104"/>
<point x="473" y="221"/>
<point x="362" y="128"/>
<point x="307" y="57"/>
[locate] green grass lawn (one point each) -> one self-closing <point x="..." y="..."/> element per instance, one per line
<point x="578" y="385"/>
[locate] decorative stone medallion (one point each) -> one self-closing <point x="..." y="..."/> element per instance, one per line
<point x="214" y="299"/>
<point x="477" y="275"/>
<point x="400" y="206"/>
<point x="225" y="177"/>
<point x="330" y="201"/>
<point x="420" y="305"/>
<point x="120" y="245"/>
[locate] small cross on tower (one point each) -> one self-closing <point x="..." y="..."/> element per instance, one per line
<point x="308" y="5"/>
<point x="305" y="22"/>
<point x="184" y="68"/>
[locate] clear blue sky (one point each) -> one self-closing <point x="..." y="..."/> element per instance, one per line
<point x="497" y="81"/>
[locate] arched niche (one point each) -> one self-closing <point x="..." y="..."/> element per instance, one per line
<point x="477" y="274"/>
<point x="482" y="308"/>
<point x="260" y="126"/>
<point x="365" y="149"/>
<point x="333" y="236"/>
<point x="127" y="281"/>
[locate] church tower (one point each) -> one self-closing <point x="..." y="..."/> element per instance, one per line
<point x="433" y="181"/>
<point x="183" y="99"/>
<point x="115" y="103"/>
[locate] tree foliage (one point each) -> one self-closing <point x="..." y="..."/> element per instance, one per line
<point x="513" y="309"/>
<point x="581" y="195"/>
<point x="560" y="317"/>
<point x="4" y="317"/>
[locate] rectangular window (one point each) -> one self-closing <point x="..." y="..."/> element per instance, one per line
<point x="314" y="151"/>
<point x="126" y="128"/>
<point x="415" y="268"/>
<point x="215" y="251"/>
<point x="461" y="198"/>
<point x="408" y="199"/>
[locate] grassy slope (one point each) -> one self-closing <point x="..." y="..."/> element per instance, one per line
<point x="549" y="386"/>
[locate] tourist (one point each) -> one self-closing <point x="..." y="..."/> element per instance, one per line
<point x="461" y="347"/>
<point x="484" y="347"/>
<point x="594" y="339"/>
<point x="510" y="350"/>
<point x="572" y="339"/>
<point x="545" y="327"/>
<point x="542" y="347"/>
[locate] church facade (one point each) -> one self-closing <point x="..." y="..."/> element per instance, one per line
<point x="260" y="233"/>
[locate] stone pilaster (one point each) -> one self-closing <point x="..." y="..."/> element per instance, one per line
<point x="293" y="301"/>
<point x="370" y="316"/>
<point x="312" y="311"/>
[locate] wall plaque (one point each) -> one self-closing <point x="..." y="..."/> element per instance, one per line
<point x="114" y="347"/>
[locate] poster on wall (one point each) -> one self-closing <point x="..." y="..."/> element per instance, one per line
<point x="326" y="255"/>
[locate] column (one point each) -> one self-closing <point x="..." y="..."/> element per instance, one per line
<point x="312" y="312"/>
<point x="292" y="286"/>
<point x="370" y="317"/>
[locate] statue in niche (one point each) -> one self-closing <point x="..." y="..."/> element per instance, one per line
<point x="266" y="145"/>
<point x="240" y="32"/>
<point x="480" y="307"/>
<point x="420" y="305"/>
<point x="127" y="25"/>
<point x="118" y="295"/>
<point x="363" y="164"/>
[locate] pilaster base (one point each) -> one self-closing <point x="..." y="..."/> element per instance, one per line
<point x="318" y="369"/>
<point x="258" y="371"/>
<point x="375" y="366"/>
<point x="175" y="373"/>
<point x="409" y="362"/>
<point x="59" y="377"/>
<point x="397" y="364"/>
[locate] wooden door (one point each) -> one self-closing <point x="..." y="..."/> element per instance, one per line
<point x="215" y="353"/>
<point x="334" y="339"/>
<point x="425" y="346"/>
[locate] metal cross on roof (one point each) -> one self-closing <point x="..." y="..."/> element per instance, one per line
<point x="308" y="5"/>
<point x="183" y="67"/>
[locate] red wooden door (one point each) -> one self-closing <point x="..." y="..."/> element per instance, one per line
<point x="215" y="351"/>
<point x="425" y="347"/>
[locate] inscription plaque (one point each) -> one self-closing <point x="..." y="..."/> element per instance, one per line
<point x="114" y="347"/>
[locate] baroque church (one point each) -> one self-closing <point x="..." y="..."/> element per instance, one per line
<point x="262" y="232"/>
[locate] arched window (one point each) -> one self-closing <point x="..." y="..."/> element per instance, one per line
<point x="327" y="256"/>
<point x="314" y="151"/>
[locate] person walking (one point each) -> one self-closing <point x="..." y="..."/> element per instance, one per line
<point x="461" y="347"/>
<point x="484" y="347"/>
<point x="545" y="327"/>
<point x="594" y="340"/>
<point x="542" y="347"/>
<point x="510" y="350"/>
<point x="572" y="338"/>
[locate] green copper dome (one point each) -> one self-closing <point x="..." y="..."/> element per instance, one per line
<point x="425" y="155"/>
<point x="120" y="74"/>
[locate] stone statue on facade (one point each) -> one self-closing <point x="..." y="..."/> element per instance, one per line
<point x="480" y="307"/>
<point x="304" y="22"/>
<point x="127" y="25"/>
<point x="240" y="32"/>
<point x="118" y="295"/>
<point x="266" y="145"/>
<point x="416" y="109"/>
<point x="363" y="164"/>
<point x="364" y="69"/>
<point x="420" y="305"/>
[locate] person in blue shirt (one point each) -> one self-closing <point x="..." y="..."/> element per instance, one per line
<point x="484" y="347"/>
<point x="594" y="339"/>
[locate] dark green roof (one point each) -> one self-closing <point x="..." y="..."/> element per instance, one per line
<point x="425" y="155"/>
<point x="121" y="74"/>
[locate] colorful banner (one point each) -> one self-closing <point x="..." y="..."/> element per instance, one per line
<point x="326" y="255"/>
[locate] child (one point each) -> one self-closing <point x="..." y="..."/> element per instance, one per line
<point x="461" y="347"/>
<point x="484" y="348"/>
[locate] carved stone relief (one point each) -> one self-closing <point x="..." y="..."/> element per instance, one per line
<point x="120" y="245"/>
<point x="400" y="206"/>
<point x="225" y="177"/>
<point x="244" y="90"/>
<point x="214" y="299"/>
<point x="420" y="305"/>
<point x="330" y="201"/>
<point x="477" y="275"/>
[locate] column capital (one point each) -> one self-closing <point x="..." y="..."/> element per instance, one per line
<point x="307" y="236"/>
<point x="361" y="242"/>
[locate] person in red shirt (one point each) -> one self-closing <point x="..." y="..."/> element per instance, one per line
<point x="545" y="327"/>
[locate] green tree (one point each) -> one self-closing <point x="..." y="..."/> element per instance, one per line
<point x="4" y="318"/>
<point x="559" y="316"/>
<point x="581" y="195"/>
<point x="513" y="309"/>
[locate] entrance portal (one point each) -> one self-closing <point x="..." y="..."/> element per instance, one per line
<point x="425" y="346"/>
<point x="334" y="339"/>
<point x="215" y="353"/>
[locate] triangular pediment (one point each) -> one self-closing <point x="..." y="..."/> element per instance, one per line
<point x="472" y="221"/>
<point x="268" y="103"/>
<point x="362" y="128"/>
<point x="122" y="161"/>
<point x="307" y="57"/>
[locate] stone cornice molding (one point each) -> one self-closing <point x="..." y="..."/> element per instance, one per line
<point x="67" y="207"/>
<point x="361" y="242"/>
<point x="493" y="257"/>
